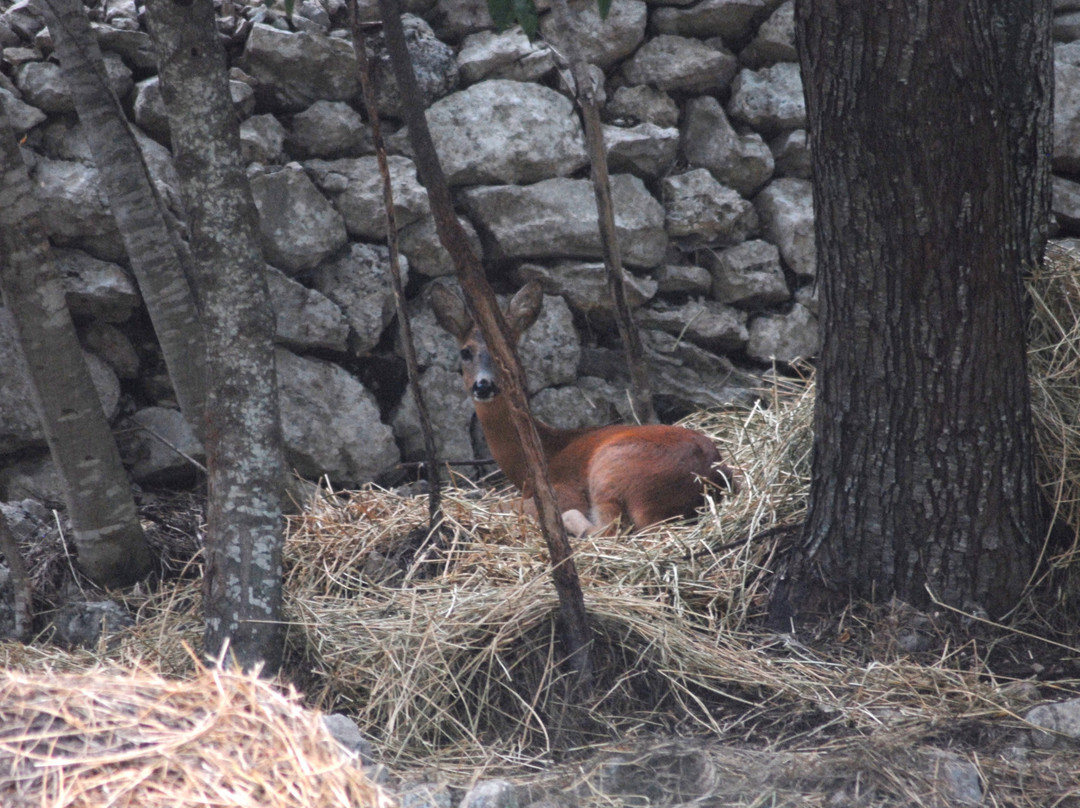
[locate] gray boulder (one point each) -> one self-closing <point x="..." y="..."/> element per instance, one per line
<point x="305" y="319"/>
<point x="557" y="219"/>
<point x="358" y="281"/>
<point x="502" y="131"/>
<point x="748" y="275"/>
<point x="783" y="337"/>
<point x="786" y="208"/>
<point x="331" y="422"/>
<point x="505" y="55"/>
<point x="603" y="42"/>
<point x="329" y="129"/>
<point x="700" y="210"/>
<point x="740" y="161"/>
<point x="356" y="187"/>
<point x="769" y="100"/>
<point x="298" y="226"/>
<point x="670" y="62"/>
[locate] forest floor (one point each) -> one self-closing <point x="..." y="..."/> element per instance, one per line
<point x="447" y="658"/>
<point x="447" y="655"/>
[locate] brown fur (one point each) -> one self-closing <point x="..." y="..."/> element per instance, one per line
<point x="603" y="476"/>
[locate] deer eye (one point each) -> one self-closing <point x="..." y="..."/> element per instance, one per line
<point x="466" y="354"/>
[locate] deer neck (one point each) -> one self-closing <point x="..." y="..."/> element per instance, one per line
<point x="503" y="441"/>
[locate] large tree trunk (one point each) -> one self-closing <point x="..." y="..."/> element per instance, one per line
<point x="152" y="246"/>
<point x="929" y="123"/>
<point x="245" y="457"/>
<point x="108" y="535"/>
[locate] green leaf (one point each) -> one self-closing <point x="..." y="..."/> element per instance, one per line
<point x="604" y="6"/>
<point x="528" y="19"/>
<point x="505" y="13"/>
<point x="502" y="14"/>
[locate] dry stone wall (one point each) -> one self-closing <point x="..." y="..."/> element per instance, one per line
<point x="706" y="130"/>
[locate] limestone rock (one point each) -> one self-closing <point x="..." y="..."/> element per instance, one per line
<point x="450" y="410"/>
<point x="298" y="226"/>
<point x="774" y="41"/>
<point x="150" y="442"/>
<point x="331" y="422"/>
<point x="1066" y="117"/>
<point x="645" y="150"/>
<point x="584" y="286"/>
<point x="262" y="140"/>
<point x="305" y="319"/>
<point x="419" y="242"/>
<point x="748" y="275"/>
<point x="682" y="278"/>
<point x="769" y="100"/>
<point x="643" y="104"/>
<point x="96" y="288"/>
<point x="708" y="323"/>
<point x="783" y="337"/>
<point x="502" y="131"/>
<point x="730" y="19"/>
<point x="356" y="188"/>
<point x="74" y="208"/>
<point x="329" y="129"/>
<point x="701" y="210"/>
<point x="293" y="70"/>
<point x="670" y="62"/>
<point x="603" y="42"/>
<point x="786" y="208"/>
<point x="112" y="347"/>
<point x="742" y="162"/>
<point x="23" y="117"/>
<point x="557" y="219"/>
<point x="505" y="55"/>
<point x="358" y="281"/>
<point x="43" y="86"/>
<point x="791" y="152"/>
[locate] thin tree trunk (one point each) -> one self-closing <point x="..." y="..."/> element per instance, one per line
<point x="20" y="580"/>
<point x="412" y="366"/>
<point x="486" y="312"/>
<point x="585" y="93"/>
<point x="244" y="450"/>
<point x="152" y="245"/>
<point x="927" y="214"/>
<point x="108" y="535"/>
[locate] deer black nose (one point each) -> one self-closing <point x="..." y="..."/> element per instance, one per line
<point x="484" y="389"/>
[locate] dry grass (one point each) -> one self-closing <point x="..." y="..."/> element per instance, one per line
<point x="451" y="662"/>
<point x="120" y="738"/>
<point x="1054" y="357"/>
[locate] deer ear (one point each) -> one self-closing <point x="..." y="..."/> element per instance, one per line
<point x="524" y="308"/>
<point x="450" y="312"/>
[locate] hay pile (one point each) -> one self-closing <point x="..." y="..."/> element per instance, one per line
<point x="1054" y="368"/>
<point x="458" y="662"/>
<point x="112" y="737"/>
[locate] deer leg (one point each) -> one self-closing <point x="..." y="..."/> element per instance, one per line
<point x="577" y="524"/>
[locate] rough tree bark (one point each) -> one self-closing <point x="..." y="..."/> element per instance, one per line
<point x="152" y="245"/>
<point x="245" y="457"/>
<point x="930" y="125"/>
<point x="486" y="312"/>
<point x="23" y="593"/>
<point x="108" y="535"/>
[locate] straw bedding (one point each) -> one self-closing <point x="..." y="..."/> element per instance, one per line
<point x="120" y="738"/>
<point x="447" y="657"/>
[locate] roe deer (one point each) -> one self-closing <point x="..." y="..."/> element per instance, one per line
<point x="602" y="476"/>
